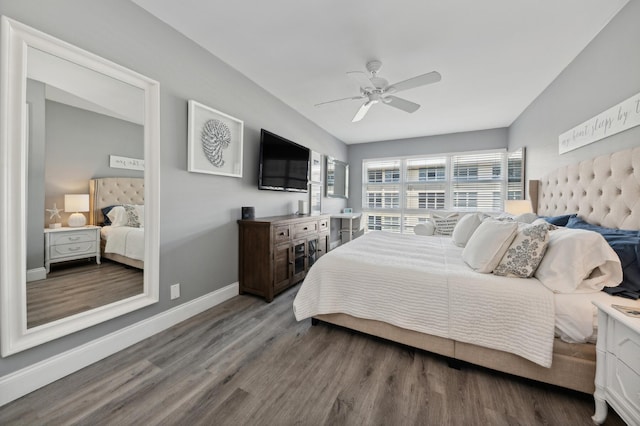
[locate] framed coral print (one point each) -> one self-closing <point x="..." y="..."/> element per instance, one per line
<point x="215" y="141"/>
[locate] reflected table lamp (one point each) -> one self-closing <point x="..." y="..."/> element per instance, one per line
<point x="517" y="207"/>
<point x="76" y="203"/>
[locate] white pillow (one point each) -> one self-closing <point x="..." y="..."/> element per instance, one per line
<point x="488" y="244"/>
<point x="427" y="228"/>
<point x="525" y="252"/>
<point x="578" y="261"/>
<point x="118" y="216"/>
<point x="526" y="217"/>
<point x="140" y="212"/>
<point x="541" y="221"/>
<point x="127" y="215"/>
<point x="444" y="224"/>
<point x="465" y="227"/>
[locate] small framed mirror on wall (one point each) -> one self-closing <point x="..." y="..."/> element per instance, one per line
<point x="337" y="178"/>
<point x="515" y="174"/>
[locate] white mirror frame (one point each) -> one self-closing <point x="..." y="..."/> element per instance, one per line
<point x="16" y="39"/>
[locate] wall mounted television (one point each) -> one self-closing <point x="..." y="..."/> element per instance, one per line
<point x="284" y="165"/>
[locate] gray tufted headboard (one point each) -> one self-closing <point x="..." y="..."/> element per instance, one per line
<point x="603" y="191"/>
<point x="104" y="192"/>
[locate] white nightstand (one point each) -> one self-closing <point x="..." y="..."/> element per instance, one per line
<point x="62" y="244"/>
<point x="617" y="364"/>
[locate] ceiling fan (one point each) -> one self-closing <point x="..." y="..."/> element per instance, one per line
<point x="377" y="90"/>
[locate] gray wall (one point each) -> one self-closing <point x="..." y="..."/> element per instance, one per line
<point x="79" y="143"/>
<point x="198" y="234"/>
<point x="454" y="142"/>
<point x="605" y="73"/>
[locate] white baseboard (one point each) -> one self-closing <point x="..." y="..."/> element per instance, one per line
<point x="36" y="274"/>
<point x="22" y="382"/>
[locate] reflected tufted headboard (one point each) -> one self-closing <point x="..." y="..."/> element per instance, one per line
<point x="104" y="192"/>
<point x="603" y="191"/>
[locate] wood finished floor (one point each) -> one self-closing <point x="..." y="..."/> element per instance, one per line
<point x="78" y="286"/>
<point x="246" y="362"/>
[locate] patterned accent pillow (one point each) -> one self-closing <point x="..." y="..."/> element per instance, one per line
<point x="525" y="252"/>
<point x="133" y="220"/>
<point x="444" y="224"/>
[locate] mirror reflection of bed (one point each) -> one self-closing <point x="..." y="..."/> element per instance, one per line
<point x="116" y="204"/>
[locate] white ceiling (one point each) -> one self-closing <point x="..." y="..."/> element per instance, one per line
<point x="495" y="56"/>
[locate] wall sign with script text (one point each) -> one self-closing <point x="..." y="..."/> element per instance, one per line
<point x="116" y="162"/>
<point x="621" y="117"/>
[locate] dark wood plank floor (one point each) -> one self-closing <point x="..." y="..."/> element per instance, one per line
<point x="246" y="362"/>
<point x="78" y="286"/>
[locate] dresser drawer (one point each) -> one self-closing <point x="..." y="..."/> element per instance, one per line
<point x="304" y="228"/>
<point x="73" y="237"/>
<point x="627" y="346"/>
<point x="324" y="224"/>
<point x="281" y="233"/>
<point x="66" y="250"/>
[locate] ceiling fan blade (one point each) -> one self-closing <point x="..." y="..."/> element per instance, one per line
<point x="362" y="111"/>
<point x="402" y="104"/>
<point x="362" y="78"/>
<point x="421" y="80"/>
<point x="353" y="98"/>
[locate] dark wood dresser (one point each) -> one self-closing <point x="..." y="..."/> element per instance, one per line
<point x="276" y="252"/>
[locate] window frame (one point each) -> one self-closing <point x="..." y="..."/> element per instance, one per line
<point x="411" y="216"/>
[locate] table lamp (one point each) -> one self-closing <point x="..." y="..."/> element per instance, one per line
<point x="516" y="207"/>
<point x="76" y="203"/>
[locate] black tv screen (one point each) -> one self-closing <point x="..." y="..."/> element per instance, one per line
<point x="284" y="165"/>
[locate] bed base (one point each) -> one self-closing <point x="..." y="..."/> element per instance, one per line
<point x="573" y="366"/>
<point x="135" y="263"/>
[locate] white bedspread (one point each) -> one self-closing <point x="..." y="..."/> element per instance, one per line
<point x="124" y="240"/>
<point x="421" y="284"/>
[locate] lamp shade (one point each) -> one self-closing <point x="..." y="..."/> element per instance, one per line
<point x="516" y="207"/>
<point x="76" y="203"/>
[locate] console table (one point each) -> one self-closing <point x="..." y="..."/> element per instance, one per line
<point x="346" y="217"/>
<point x="276" y="252"/>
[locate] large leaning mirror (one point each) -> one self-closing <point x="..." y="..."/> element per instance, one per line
<point x="337" y="179"/>
<point x="80" y="192"/>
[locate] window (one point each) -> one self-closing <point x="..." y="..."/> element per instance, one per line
<point x="431" y="173"/>
<point x="383" y="223"/>
<point x="431" y="200"/>
<point x="465" y="173"/>
<point x="465" y="199"/>
<point x="381" y="200"/>
<point x="399" y="193"/>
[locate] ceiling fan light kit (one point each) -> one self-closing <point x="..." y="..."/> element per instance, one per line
<point x="377" y="89"/>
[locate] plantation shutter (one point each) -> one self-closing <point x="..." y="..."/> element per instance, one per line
<point x="477" y="181"/>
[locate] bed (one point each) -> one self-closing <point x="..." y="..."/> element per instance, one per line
<point x="121" y="244"/>
<point x="604" y="191"/>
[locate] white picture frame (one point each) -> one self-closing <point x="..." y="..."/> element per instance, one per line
<point x="316" y="167"/>
<point x="315" y="198"/>
<point x="215" y="141"/>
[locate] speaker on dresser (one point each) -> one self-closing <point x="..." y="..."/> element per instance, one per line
<point x="248" y="213"/>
